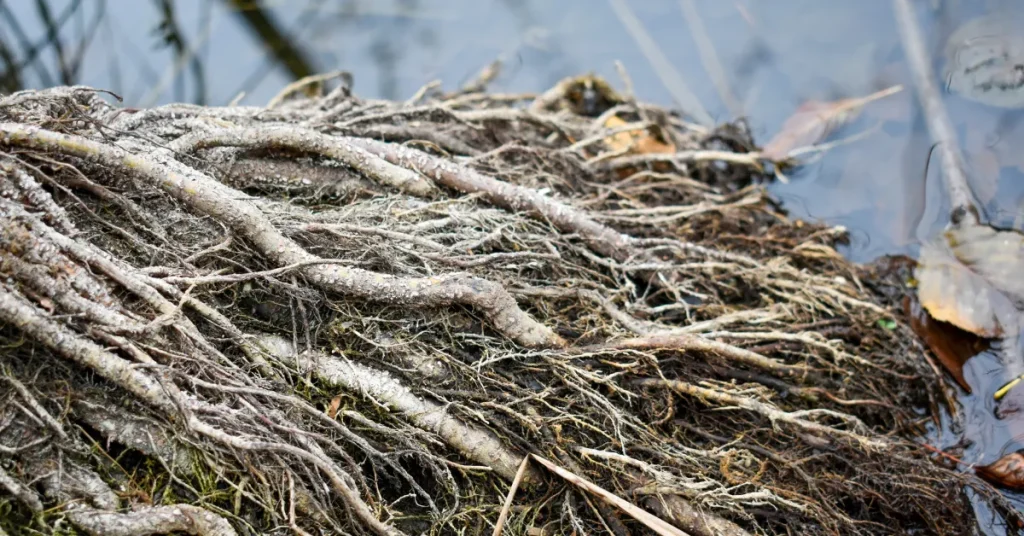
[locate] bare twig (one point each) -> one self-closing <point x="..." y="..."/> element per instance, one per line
<point x="670" y="77"/>
<point x="709" y="57"/>
<point x="939" y="125"/>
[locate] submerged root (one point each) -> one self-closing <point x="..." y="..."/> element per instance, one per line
<point x="243" y="320"/>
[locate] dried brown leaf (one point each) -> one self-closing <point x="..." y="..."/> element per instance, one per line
<point x="47" y="303"/>
<point x="1007" y="471"/>
<point x="970" y="277"/>
<point x="640" y="141"/>
<point x="813" y="121"/>
<point x="996" y="255"/>
<point x="332" y="410"/>
<point x="951" y="345"/>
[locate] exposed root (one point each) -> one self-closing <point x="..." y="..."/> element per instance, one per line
<point x="17" y="312"/>
<point x="797" y="418"/>
<point x="565" y="218"/>
<point x="311" y="142"/>
<point x="152" y="520"/>
<point x="245" y="218"/>
<point x="249" y="320"/>
<point x="668" y="341"/>
<point x="169" y="401"/>
<point x="20" y="492"/>
<point x="476" y="444"/>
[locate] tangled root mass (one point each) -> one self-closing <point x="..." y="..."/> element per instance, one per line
<point x="344" y="316"/>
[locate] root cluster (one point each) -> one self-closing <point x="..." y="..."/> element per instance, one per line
<point x="335" y="315"/>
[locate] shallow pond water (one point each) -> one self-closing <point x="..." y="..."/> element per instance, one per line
<point x="776" y="55"/>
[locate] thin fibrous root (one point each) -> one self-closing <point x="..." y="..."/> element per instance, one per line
<point x="679" y="510"/>
<point x="126" y="276"/>
<point x="235" y="209"/>
<point x="65" y="342"/>
<point x="338" y="482"/>
<point x="16" y="489"/>
<point x="28" y="188"/>
<point x="678" y="341"/>
<point x="60" y="291"/>
<point x="163" y="396"/>
<point x="767" y="410"/>
<point x="37" y="408"/>
<point x="684" y="157"/>
<point x="474" y="443"/>
<point x="146" y="435"/>
<point x="565" y="218"/>
<point x="77" y="482"/>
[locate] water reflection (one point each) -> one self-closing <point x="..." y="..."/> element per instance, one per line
<point x="776" y="55"/>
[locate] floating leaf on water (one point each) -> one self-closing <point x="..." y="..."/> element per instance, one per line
<point x="971" y="277"/>
<point x="996" y="255"/>
<point x="813" y="121"/>
<point x="951" y="345"/>
<point x="984" y="59"/>
<point x="1007" y="471"/>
